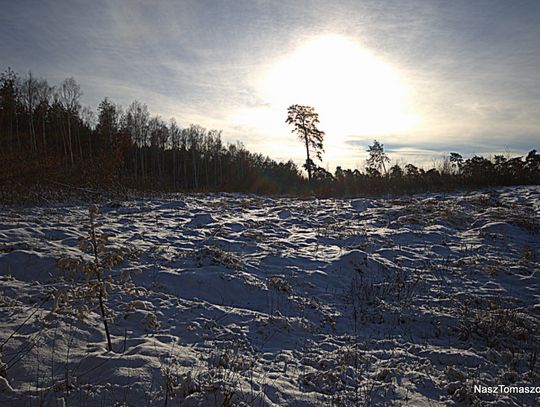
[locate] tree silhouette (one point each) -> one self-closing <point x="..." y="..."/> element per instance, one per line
<point x="69" y="96"/>
<point x="456" y="161"/>
<point x="396" y="171"/>
<point x="305" y="121"/>
<point x="29" y="96"/>
<point x="9" y="124"/>
<point x="377" y="157"/>
<point x="47" y="139"/>
<point x="108" y="120"/>
<point x="412" y="170"/>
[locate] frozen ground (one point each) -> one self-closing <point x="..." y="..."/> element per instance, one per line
<point x="246" y="300"/>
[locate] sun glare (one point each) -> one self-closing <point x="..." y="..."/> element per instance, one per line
<point x="354" y="92"/>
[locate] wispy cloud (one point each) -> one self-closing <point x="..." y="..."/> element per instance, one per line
<point x="473" y="67"/>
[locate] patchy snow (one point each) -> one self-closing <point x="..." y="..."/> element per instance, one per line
<point x="245" y="300"/>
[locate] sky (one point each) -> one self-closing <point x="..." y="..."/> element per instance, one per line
<point x="423" y="77"/>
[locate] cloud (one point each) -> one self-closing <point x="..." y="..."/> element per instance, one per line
<point x="473" y="67"/>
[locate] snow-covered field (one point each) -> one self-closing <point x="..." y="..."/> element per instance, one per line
<point x="245" y="300"/>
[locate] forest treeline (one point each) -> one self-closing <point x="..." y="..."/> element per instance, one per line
<point x="47" y="138"/>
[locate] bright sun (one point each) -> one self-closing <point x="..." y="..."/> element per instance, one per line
<point x="354" y="92"/>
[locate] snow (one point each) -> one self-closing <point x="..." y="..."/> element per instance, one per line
<point x="271" y="301"/>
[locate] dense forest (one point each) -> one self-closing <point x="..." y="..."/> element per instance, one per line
<point x="48" y="139"/>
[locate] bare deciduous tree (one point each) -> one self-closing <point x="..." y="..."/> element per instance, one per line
<point x="44" y="96"/>
<point x="136" y="119"/>
<point x="29" y="98"/>
<point x="69" y="95"/>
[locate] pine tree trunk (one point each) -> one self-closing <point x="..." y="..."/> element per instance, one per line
<point x="308" y="161"/>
